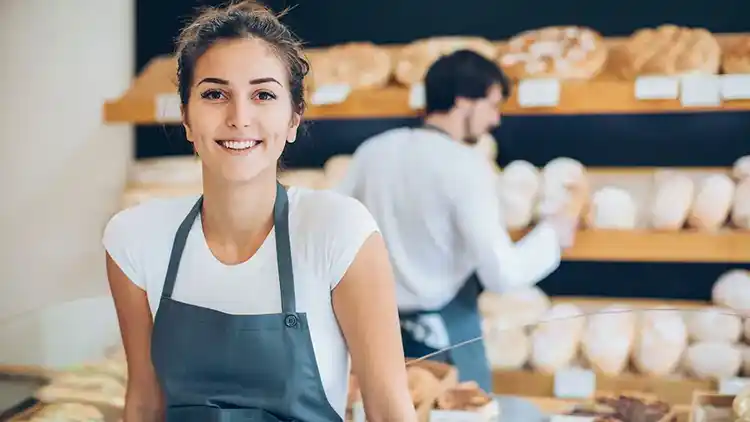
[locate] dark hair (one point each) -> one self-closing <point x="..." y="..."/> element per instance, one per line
<point x="463" y="73"/>
<point x="244" y="19"/>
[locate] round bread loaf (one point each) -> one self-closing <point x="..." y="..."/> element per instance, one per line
<point x="563" y="52"/>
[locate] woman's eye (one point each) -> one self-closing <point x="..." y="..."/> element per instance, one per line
<point x="265" y="96"/>
<point x="212" y="95"/>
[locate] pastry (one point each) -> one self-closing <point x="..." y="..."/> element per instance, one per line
<point x="414" y="59"/>
<point x="670" y="50"/>
<point x="68" y="412"/>
<point x="612" y="208"/>
<point x="672" y="201"/>
<point x="92" y="388"/>
<point x="713" y="360"/>
<point x="736" y="56"/>
<point x="359" y="65"/>
<point x="563" y="52"/>
<point x="464" y="396"/>
<point x="422" y="384"/>
<point x="712" y="203"/>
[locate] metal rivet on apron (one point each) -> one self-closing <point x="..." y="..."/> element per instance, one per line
<point x="290" y="321"/>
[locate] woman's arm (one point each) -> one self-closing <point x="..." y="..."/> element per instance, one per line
<point x="143" y="401"/>
<point x="364" y="302"/>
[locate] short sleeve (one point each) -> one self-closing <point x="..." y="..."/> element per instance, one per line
<point x="350" y="226"/>
<point x="120" y="242"/>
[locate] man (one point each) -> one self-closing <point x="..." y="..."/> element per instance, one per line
<point x="435" y="201"/>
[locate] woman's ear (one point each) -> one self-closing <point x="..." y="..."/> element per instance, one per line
<point x="291" y="135"/>
<point x="185" y="125"/>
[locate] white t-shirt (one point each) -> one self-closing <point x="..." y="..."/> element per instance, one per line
<point x="326" y="231"/>
<point x="435" y="201"/>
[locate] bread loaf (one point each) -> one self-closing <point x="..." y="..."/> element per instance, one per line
<point x="736" y="57"/>
<point x="557" y="176"/>
<point x="608" y="339"/>
<point x="672" y="201"/>
<point x="661" y="340"/>
<point x="68" y="412"/>
<point x="714" y="324"/>
<point x="517" y="308"/>
<point x="741" y="168"/>
<point x="414" y="59"/>
<point x="670" y="50"/>
<point x="712" y="203"/>
<point x="732" y="290"/>
<point x="555" y="340"/>
<point x="360" y="65"/>
<point x="561" y="52"/>
<point x="713" y="360"/>
<point x="507" y="347"/>
<point x="612" y="208"/>
<point x="740" y="214"/>
<point x="518" y="187"/>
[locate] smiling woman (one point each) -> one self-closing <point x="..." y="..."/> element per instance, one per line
<point x="244" y="303"/>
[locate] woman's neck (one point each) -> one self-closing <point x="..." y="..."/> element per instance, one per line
<point x="237" y="218"/>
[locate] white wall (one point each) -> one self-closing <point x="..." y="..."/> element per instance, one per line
<point x="62" y="169"/>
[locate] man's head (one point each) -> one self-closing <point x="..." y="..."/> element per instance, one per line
<point x="467" y="87"/>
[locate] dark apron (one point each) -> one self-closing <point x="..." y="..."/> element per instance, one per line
<point x="218" y="367"/>
<point x="463" y="322"/>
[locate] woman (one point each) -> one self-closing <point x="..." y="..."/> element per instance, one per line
<point x="258" y="293"/>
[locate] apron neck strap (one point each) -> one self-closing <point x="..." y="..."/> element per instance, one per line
<point x="283" y="249"/>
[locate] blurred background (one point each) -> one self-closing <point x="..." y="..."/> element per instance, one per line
<point x="88" y="127"/>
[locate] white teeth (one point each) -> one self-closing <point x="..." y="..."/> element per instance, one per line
<point x="239" y="145"/>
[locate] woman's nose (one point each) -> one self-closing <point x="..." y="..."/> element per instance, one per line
<point x="239" y="113"/>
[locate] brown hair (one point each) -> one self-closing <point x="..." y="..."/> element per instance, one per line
<point x="240" y="20"/>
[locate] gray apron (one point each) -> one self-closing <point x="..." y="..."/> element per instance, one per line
<point x="218" y="367"/>
<point x="463" y="322"/>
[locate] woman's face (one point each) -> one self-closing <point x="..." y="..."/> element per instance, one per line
<point x="239" y="115"/>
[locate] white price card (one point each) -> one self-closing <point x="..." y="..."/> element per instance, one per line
<point x="330" y="94"/>
<point x="539" y="93"/>
<point x="571" y="418"/>
<point x="657" y="88"/>
<point x="167" y="108"/>
<point x="416" y="97"/>
<point x="358" y="412"/>
<point x="735" y="87"/>
<point x="700" y="91"/>
<point x="733" y="386"/>
<point x="575" y="383"/>
<point x="456" y="416"/>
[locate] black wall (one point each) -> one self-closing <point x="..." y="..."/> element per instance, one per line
<point x="691" y="139"/>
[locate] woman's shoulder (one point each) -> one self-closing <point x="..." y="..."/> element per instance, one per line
<point x="152" y="214"/>
<point x="328" y="229"/>
<point x="327" y="209"/>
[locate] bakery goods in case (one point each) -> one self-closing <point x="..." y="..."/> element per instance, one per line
<point x="612" y="208"/>
<point x="359" y="65"/>
<point x="414" y="59"/>
<point x="712" y="202"/>
<point x="68" y="412"/>
<point x="672" y="201"/>
<point x="670" y="50"/>
<point x="562" y="52"/>
<point x="660" y="342"/>
<point x="625" y="409"/>
<point x="736" y="56"/>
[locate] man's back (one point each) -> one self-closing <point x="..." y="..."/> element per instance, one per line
<point x="410" y="180"/>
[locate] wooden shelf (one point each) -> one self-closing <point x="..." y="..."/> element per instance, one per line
<point x="639" y="245"/>
<point x="726" y="246"/>
<point x="152" y="99"/>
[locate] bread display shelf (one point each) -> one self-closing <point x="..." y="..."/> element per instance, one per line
<point x="152" y="98"/>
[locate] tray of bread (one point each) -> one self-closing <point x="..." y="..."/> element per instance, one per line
<point x="93" y="392"/>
